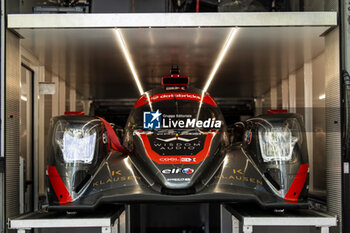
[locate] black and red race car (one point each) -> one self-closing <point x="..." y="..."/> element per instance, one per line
<point x="177" y="148"/>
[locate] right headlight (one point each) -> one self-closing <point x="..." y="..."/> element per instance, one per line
<point x="78" y="147"/>
<point x="277" y="142"/>
<point x="76" y="141"/>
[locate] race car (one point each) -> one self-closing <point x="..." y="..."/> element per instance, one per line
<point x="177" y="148"/>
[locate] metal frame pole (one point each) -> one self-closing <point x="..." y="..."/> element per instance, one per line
<point x="2" y="112"/>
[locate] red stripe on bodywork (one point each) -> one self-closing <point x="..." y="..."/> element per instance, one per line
<point x="58" y="186"/>
<point x="73" y="113"/>
<point x="115" y="143"/>
<point x="175" y="95"/>
<point x="204" y="153"/>
<point x="298" y="183"/>
<point x="277" y="111"/>
<point x="141" y="101"/>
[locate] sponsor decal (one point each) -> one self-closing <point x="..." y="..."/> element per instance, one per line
<point x="177" y="160"/>
<point x="174" y="145"/>
<point x="151" y="120"/>
<point x="178" y="171"/>
<point x="179" y="179"/>
<point x="176" y="138"/>
<point x="249" y="136"/>
<point x="155" y="120"/>
<point x="175" y="95"/>
<point x="115" y="180"/>
<point x="177" y="152"/>
<point x="171" y="160"/>
<point x="116" y="173"/>
<point x="188" y="160"/>
<point x="238" y="175"/>
<point x="191" y="123"/>
<point x="187" y="171"/>
<point x="115" y="176"/>
<point x="178" y="132"/>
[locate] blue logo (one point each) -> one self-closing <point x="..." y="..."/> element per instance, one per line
<point x="151" y="120"/>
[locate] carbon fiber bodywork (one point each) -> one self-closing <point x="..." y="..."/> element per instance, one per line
<point x="182" y="165"/>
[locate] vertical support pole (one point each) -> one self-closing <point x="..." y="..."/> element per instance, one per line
<point x="72" y="99"/>
<point x="344" y="13"/>
<point x="273" y="95"/>
<point x="2" y="75"/>
<point x="285" y="94"/>
<point x="292" y="93"/>
<point x="308" y="116"/>
<point x="2" y="201"/>
<point x="127" y="219"/>
<point x="226" y="225"/>
<point x="115" y="227"/>
<point x="258" y="106"/>
<point x="247" y="229"/>
<point x="62" y="97"/>
<point x="12" y="134"/>
<point x="36" y="124"/>
<point x="55" y="97"/>
<point x="235" y="225"/>
<point x="324" y="229"/>
<point x="21" y="185"/>
<point x="39" y="156"/>
<point x="334" y="175"/>
<point x="2" y="112"/>
<point x="106" y="229"/>
<point x="122" y="222"/>
<point x="21" y="231"/>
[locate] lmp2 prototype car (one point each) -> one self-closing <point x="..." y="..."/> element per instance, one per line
<point x="177" y="148"/>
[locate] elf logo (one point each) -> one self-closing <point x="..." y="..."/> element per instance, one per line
<point x="178" y="171"/>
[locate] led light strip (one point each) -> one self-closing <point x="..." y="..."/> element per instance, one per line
<point x="222" y="54"/>
<point x="220" y="58"/>
<point x="128" y="59"/>
<point x="23" y="98"/>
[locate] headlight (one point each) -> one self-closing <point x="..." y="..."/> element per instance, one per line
<point x="76" y="144"/>
<point x="276" y="143"/>
<point x="78" y="147"/>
